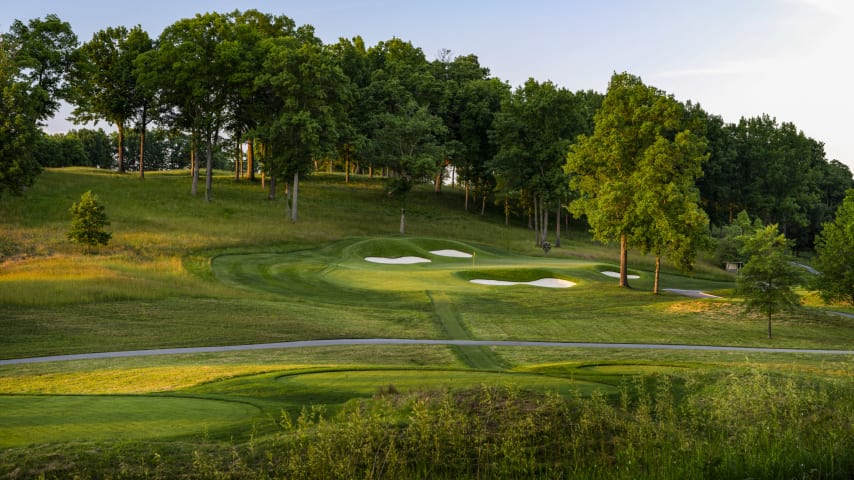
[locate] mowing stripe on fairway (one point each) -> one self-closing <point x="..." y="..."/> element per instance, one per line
<point x="409" y="341"/>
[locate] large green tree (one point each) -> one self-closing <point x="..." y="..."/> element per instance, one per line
<point x="633" y="148"/>
<point x="307" y="94"/>
<point x="34" y="60"/>
<point x="105" y="81"/>
<point x="42" y="53"/>
<point x="669" y="221"/>
<point x="769" y="277"/>
<point x="18" y="130"/>
<point x="835" y="261"/>
<point x="192" y="68"/>
<point x="408" y="142"/>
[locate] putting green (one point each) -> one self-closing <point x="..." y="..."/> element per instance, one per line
<point x="26" y="420"/>
<point x="342" y="266"/>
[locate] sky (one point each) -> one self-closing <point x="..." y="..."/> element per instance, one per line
<point x="790" y="59"/>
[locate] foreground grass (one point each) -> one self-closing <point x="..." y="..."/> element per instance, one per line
<point x="714" y="425"/>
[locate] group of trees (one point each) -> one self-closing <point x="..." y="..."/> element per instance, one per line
<point x="642" y="168"/>
<point x="164" y="150"/>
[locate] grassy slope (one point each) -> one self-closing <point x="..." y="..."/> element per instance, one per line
<point x="154" y="286"/>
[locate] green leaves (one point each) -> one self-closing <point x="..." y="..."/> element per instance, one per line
<point x="769" y="277"/>
<point x="835" y="261"/>
<point x="636" y="175"/>
<point x="88" y="221"/>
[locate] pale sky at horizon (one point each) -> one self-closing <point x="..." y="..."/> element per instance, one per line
<point x="790" y="59"/>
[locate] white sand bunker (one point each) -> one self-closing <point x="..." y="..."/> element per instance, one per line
<point x="451" y="253"/>
<point x="617" y="275"/>
<point x="543" y="282"/>
<point x="397" y="261"/>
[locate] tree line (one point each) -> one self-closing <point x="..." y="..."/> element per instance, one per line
<point x="259" y="93"/>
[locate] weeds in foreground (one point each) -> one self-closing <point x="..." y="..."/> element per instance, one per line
<point x="755" y="425"/>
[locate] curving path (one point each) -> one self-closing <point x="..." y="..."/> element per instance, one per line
<point x="406" y="341"/>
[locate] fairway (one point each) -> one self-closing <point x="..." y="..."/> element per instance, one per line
<point x="26" y="420"/>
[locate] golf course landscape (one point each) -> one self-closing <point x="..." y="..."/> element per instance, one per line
<point x="188" y="354"/>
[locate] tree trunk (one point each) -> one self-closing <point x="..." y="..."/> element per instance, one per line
<point x="403" y="216"/>
<point x="483" y="206"/>
<point x="120" y="126"/>
<point x="656" y="284"/>
<point x="537" y="240"/>
<point x="624" y="258"/>
<point x="287" y="201"/>
<point x="769" y="325"/>
<point x="142" y="149"/>
<point x="346" y="163"/>
<point x="195" y="160"/>
<point x="468" y="187"/>
<point x="557" y="226"/>
<point x="238" y="159"/>
<point x="370" y="170"/>
<point x="544" y="210"/>
<point x="296" y="197"/>
<point x="250" y="160"/>
<point x="208" y="169"/>
<point x="272" y="194"/>
<point x="507" y="210"/>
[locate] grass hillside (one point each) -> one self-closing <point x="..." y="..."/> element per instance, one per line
<point x="180" y="272"/>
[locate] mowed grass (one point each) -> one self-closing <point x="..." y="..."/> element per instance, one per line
<point x="181" y="272"/>
<point x="26" y="419"/>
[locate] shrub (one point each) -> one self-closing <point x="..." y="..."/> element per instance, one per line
<point x="88" y="221"/>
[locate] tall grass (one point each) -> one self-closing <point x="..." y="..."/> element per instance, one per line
<point x="751" y="425"/>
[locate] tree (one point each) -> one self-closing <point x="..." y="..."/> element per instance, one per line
<point x="670" y="221"/>
<point x="408" y="144"/>
<point x="42" y="52"/>
<point x="34" y="59"/>
<point x="606" y="169"/>
<point x="18" y="130"/>
<point x="835" y="261"/>
<point x="769" y="277"/>
<point x="88" y="221"/>
<point x="307" y="93"/>
<point x="106" y="83"/>
<point x="533" y="131"/>
<point x="191" y="68"/>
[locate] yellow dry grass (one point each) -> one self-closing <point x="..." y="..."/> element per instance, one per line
<point x="129" y="381"/>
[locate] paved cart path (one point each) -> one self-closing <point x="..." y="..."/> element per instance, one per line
<point x="406" y="341"/>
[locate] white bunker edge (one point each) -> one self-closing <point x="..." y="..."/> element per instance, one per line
<point x="414" y="260"/>
<point x="397" y="261"/>
<point x="617" y="275"/>
<point x="543" y="282"/>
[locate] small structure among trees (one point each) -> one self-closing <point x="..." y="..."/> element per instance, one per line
<point x="88" y="221"/>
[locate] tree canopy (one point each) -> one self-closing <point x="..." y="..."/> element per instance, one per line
<point x="835" y="261"/>
<point x="769" y="277"/>
<point x="634" y="175"/>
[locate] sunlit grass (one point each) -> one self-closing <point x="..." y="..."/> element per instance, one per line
<point x="26" y="420"/>
<point x="128" y="380"/>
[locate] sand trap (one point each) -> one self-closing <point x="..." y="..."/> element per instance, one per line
<point x="397" y="261"/>
<point x="451" y="253"/>
<point x="690" y="293"/>
<point x="617" y="275"/>
<point x="543" y="282"/>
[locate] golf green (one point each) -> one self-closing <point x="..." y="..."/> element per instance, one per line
<point x="30" y="419"/>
